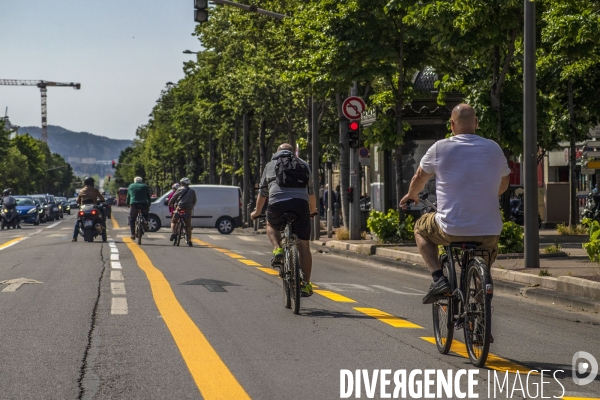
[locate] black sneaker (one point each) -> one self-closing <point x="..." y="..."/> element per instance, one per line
<point x="74" y="240"/>
<point x="438" y="289"/>
<point x="190" y="244"/>
<point x="173" y="236"/>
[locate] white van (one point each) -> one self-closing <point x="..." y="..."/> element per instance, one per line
<point x="216" y="207"/>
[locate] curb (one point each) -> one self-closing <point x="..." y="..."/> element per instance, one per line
<point x="566" y="291"/>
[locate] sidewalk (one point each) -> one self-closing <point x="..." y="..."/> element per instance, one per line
<point x="568" y="278"/>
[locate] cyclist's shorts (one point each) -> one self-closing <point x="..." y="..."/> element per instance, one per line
<point x="188" y="213"/>
<point x="301" y="226"/>
<point x="428" y="227"/>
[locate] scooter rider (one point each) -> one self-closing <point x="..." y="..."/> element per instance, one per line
<point x="89" y="192"/>
<point x="9" y="201"/>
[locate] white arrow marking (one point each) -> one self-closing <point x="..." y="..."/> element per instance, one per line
<point x="14" y="284"/>
<point x="398" y="291"/>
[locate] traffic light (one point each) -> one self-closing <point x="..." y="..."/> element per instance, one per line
<point x="353" y="134"/>
<point x="114" y="165"/>
<point x="350" y="194"/>
<point x="109" y="178"/>
<point x="201" y="11"/>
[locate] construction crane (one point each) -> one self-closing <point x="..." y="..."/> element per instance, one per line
<point x="42" y="85"/>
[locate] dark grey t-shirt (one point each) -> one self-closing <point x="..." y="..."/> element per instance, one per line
<point x="275" y="193"/>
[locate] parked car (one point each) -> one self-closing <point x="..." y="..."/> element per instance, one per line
<point x="29" y="211"/>
<point x="217" y="207"/>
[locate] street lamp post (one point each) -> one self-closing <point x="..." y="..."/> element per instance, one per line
<point x="532" y="239"/>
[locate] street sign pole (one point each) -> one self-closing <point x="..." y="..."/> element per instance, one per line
<point x="354" y="182"/>
<point x="315" y="167"/>
<point x="532" y="238"/>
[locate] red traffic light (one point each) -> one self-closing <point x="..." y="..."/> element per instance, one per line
<point x="353" y="125"/>
<point x="113" y="163"/>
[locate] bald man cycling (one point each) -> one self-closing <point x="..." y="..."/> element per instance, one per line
<point x="471" y="173"/>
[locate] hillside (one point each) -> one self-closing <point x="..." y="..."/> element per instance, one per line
<point x="78" y="144"/>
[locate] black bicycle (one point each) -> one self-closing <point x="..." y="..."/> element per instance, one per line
<point x="469" y="306"/>
<point x="139" y="227"/>
<point x="181" y="228"/>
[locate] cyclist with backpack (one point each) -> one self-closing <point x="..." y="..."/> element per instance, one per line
<point x="183" y="199"/>
<point x="287" y="185"/>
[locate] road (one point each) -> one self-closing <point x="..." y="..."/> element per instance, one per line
<point x="122" y="321"/>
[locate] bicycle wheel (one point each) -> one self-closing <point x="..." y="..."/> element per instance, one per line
<point x="285" y="279"/>
<point x="295" y="280"/>
<point x="443" y="327"/>
<point x="478" y="311"/>
<point x="139" y="230"/>
<point x="181" y="232"/>
<point x="177" y="230"/>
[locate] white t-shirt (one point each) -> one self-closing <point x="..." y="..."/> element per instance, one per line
<point x="468" y="171"/>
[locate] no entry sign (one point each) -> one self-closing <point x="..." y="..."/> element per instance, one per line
<point x="353" y="107"/>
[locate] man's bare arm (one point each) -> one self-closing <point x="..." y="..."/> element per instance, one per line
<point x="504" y="184"/>
<point x="417" y="184"/>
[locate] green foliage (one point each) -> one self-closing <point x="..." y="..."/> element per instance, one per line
<point x="389" y="228"/>
<point x="593" y="246"/>
<point x="544" y="272"/>
<point x="563" y="229"/>
<point x="552" y="249"/>
<point x="511" y="238"/>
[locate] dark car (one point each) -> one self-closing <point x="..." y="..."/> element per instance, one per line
<point x="43" y="210"/>
<point x="28" y="209"/>
<point x="50" y="206"/>
<point x="66" y="208"/>
<point x="73" y="203"/>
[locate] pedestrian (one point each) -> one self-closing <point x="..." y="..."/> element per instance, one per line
<point x="326" y="201"/>
<point x="321" y="205"/>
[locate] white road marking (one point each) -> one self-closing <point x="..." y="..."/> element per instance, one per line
<point x="63" y="229"/>
<point x="114" y="249"/>
<point x="116" y="276"/>
<point x="115" y="265"/>
<point x="57" y="235"/>
<point x="114" y="257"/>
<point x="14" y="284"/>
<point x="38" y="231"/>
<point x="248" y="238"/>
<point x="215" y="237"/>
<point x="117" y="288"/>
<point x="345" y="287"/>
<point x="156" y="236"/>
<point x="420" y="293"/>
<point x="119" y="306"/>
<point x="112" y="245"/>
<point x="53" y="225"/>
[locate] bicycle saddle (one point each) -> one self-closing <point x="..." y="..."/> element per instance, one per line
<point x="289" y="216"/>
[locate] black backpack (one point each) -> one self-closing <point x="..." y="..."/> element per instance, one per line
<point x="291" y="172"/>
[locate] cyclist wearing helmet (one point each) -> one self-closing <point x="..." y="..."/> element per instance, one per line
<point x="169" y="197"/>
<point x="138" y="197"/>
<point x="183" y="199"/>
<point x="89" y="192"/>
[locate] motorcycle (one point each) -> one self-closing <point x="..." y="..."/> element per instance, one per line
<point x="92" y="221"/>
<point x="517" y="211"/>
<point x="592" y="206"/>
<point x="9" y="215"/>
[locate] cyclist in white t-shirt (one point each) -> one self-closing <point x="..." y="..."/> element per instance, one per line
<point x="471" y="173"/>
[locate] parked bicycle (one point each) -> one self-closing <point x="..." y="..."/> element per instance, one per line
<point x="469" y="306"/>
<point x="181" y="229"/>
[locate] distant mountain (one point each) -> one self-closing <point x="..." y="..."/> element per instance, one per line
<point x="78" y="144"/>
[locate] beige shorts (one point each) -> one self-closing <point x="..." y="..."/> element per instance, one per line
<point x="428" y="228"/>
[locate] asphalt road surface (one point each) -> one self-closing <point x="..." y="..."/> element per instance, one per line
<point x="121" y="321"/>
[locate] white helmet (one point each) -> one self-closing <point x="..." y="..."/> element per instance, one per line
<point x="185" y="181"/>
<point x="175" y="186"/>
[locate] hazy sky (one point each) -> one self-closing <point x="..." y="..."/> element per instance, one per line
<point x="121" y="51"/>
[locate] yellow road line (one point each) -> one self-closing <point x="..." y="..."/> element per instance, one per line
<point x="269" y="271"/>
<point x="334" y="296"/>
<point x="234" y="255"/>
<point x="387" y="318"/>
<point x="212" y="377"/>
<point x="222" y="250"/>
<point x="580" y="398"/>
<point x="115" y="223"/>
<point x="11" y="242"/>
<point x="251" y="263"/>
<point x="493" y="361"/>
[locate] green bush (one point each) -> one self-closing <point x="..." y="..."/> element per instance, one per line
<point x="389" y="228"/>
<point x="511" y="238"/>
<point x="593" y="246"/>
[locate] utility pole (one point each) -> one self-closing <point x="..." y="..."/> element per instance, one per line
<point x="355" y="185"/>
<point x="330" y="194"/>
<point x="315" y="167"/>
<point x="530" y="148"/>
<point x="246" y="198"/>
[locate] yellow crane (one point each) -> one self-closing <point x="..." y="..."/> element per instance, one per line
<point x="42" y="85"/>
